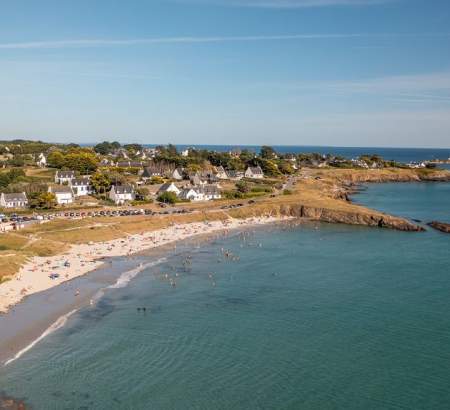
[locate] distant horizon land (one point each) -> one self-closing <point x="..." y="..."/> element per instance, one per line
<point x="36" y="139"/>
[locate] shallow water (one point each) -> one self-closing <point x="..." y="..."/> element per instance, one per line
<point x="318" y="317"/>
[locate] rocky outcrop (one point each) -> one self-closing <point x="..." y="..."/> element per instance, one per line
<point x="399" y="176"/>
<point x="440" y="226"/>
<point x="351" y="217"/>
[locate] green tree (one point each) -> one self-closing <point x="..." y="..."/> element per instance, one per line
<point x="142" y="193"/>
<point x="56" y="159"/>
<point x="268" y="152"/>
<point x="269" y="167"/>
<point x="133" y="147"/>
<point x="236" y="164"/>
<point x="168" y="198"/>
<point x="101" y="182"/>
<point x="105" y="147"/>
<point x="43" y="200"/>
<point x="246" y="156"/>
<point x="83" y="162"/>
<point x="286" y="168"/>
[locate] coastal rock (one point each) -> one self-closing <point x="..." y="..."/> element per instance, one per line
<point x="352" y="218"/>
<point x="350" y="179"/>
<point x="440" y="226"/>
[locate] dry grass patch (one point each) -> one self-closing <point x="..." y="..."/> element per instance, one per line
<point x="44" y="174"/>
<point x="12" y="241"/>
<point x="44" y="247"/>
<point x="10" y="264"/>
<point x="57" y="225"/>
<point x="84" y="235"/>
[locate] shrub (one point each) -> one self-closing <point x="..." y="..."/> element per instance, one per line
<point x="156" y="180"/>
<point x="242" y="186"/>
<point x="261" y="188"/>
<point x="168" y="198"/>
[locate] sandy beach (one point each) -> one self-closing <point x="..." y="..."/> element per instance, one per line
<point x="42" y="273"/>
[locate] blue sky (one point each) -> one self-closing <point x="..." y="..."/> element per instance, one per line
<point x="295" y="72"/>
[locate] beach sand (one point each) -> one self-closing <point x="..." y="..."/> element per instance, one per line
<point x="35" y="277"/>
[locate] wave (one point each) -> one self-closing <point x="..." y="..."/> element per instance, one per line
<point x="126" y="277"/>
<point x="123" y="280"/>
<point x="60" y="322"/>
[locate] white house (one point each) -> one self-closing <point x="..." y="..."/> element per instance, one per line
<point x="120" y="194"/>
<point x="16" y="200"/>
<point x="64" y="177"/>
<point x="191" y="194"/>
<point x="41" y="161"/>
<point x="141" y="155"/>
<point x="178" y="174"/>
<point x="185" y="153"/>
<point x="211" y="192"/>
<point x="221" y="173"/>
<point x="63" y="194"/>
<point x="155" y="170"/>
<point x="235" y="175"/>
<point x="81" y="186"/>
<point x="201" y="193"/>
<point x="130" y="164"/>
<point x="196" y="179"/>
<point x="168" y="187"/>
<point x="254" y="172"/>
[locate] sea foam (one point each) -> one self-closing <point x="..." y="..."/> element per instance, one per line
<point x="123" y="281"/>
<point x="59" y="323"/>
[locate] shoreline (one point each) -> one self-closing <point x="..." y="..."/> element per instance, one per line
<point x="331" y="205"/>
<point x="33" y="276"/>
<point x="51" y="308"/>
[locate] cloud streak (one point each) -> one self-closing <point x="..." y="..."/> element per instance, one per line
<point x="420" y="88"/>
<point x="98" y="43"/>
<point x="168" y="40"/>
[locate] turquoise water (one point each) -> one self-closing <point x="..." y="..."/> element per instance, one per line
<point x="314" y="317"/>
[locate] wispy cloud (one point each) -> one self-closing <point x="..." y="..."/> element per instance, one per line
<point x="168" y="40"/>
<point x="86" y="43"/>
<point x="292" y="3"/>
<point x="421" y="82"/>
<point x="432" y="87"/>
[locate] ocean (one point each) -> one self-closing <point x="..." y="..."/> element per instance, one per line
<point x="403" y="155"/>
<point x="316" y="316"/>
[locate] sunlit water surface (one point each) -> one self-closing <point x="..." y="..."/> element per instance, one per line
<point x="314" y="317"/>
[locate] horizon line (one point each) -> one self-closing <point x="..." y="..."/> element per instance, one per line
<point x="90" y="144"/>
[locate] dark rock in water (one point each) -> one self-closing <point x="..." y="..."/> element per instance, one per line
<point x="417" y="220"/>
<point x="440" y="226"/>
<point x="350" y="216"/>
<point x="8" y="403"/>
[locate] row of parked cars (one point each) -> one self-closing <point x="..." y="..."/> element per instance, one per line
<point x="90" y="214"/>
<point x="17" y="218"/>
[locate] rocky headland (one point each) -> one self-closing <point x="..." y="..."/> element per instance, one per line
<point x="440" y="226"/>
